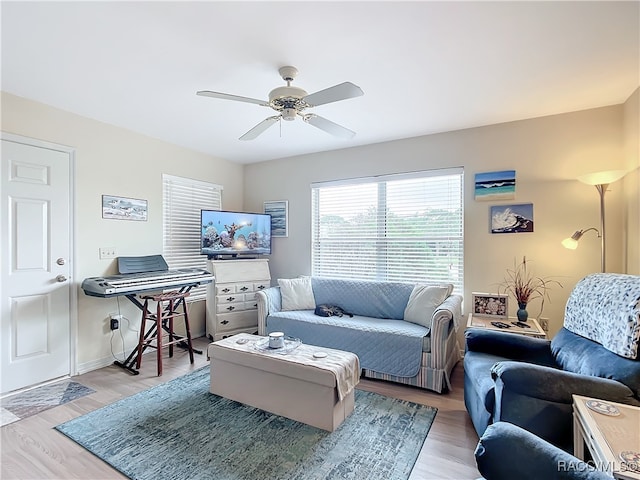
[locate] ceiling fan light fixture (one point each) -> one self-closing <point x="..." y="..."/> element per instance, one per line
<point x="290" y="102"/>
<point x="289" y="114"/>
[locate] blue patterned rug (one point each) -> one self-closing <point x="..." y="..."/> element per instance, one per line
<point x="23" y="405"/>
<point x="179" y="430"/>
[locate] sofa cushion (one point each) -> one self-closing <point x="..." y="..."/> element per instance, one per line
<point x="423" y="301"/>
<point x="363" y="297"/>
<point x="386" y="346"/>
<point x="583" y="356"/>
<point x="296" y="293"/>
<point x="605" y="307"/>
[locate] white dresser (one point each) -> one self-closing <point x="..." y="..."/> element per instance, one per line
<point x="231" y="303"/>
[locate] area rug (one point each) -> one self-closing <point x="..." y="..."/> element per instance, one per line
<point x="23" y="405"/>
<point x="179" y="430"/>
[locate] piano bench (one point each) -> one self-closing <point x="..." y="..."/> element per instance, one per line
<point x="160" y="333"/>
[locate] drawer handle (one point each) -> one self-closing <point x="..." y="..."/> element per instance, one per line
<point x="231" y="299"/>
<point x="261" y="287"/>
<point x="226" y="290"/>
<point x="244" y="289"/>
<point x="231" y="308"/>
<point x="224" y="322"/>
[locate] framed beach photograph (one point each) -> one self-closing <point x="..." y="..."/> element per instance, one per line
<point x="492" y="305"/>
<point x="495" y="186"/>
<point x="279" y="211"/>
<point x="122" y="208"/>
<point x="512" y="218"/>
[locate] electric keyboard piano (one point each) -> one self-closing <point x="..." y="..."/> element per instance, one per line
<point x="143" y="274"/>
<point x="134" y="283"/>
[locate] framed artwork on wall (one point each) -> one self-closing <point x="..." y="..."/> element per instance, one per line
<point x="122" y="208"/>
<point x="492" y="305"/>
<point x="512" y="218"/>
<point x="495" y="186"/>
<point x="279" y="211"/>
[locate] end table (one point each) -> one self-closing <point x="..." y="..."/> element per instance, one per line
<point x="534" y="330"/>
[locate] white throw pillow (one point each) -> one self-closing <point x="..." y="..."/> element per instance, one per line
<point x="423" y="301"/>
<point x="297" y="294"/>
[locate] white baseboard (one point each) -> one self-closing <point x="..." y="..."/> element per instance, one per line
<point x="106" y="361"/>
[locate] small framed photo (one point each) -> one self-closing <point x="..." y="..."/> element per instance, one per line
<point x="279" y="211"/>
<point x="122" y="208"/>
<point x="492" y="305"/>
<point x="512" y="218"/>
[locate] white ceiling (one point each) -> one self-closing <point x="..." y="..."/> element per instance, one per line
<point x="425" y="67"/>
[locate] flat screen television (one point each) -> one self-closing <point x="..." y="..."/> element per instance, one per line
<point x="234" y="233"/>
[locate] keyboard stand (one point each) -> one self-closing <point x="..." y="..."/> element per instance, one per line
<point x="130" y="362"/>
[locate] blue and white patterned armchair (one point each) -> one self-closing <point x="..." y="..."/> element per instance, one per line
<point x="529" y="381"/>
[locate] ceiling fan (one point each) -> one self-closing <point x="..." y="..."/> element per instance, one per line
<point x="291" y="101"/>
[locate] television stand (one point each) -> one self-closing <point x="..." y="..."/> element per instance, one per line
<point x="231" y="304"/>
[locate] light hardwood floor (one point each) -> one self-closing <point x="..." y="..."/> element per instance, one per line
<point x="32" y="449"/>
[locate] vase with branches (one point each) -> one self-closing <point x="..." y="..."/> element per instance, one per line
<point x="524" y="286"/>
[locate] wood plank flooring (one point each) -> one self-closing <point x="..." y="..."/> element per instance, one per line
<point x="32" y="450"/>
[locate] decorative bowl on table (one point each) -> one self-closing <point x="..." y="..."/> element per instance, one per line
<point x="290" y="344"/>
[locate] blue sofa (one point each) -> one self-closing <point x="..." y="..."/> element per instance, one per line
<point x="389" y="347"/>
<point x="529" y="381"/>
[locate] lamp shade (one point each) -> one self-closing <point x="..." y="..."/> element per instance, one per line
<point x="602" y="178"/>
<point x="570" y="243"/>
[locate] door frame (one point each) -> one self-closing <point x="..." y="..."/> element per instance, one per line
<point x="73" y="290"/>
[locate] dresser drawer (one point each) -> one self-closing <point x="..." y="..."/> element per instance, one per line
<point x="230" y="307"/>
<point x="244" y="287"/>
<point x="225" y="288"/>
<point x="235" y="320"/>
<point x="252" y="305"/>
<point x="261" y="286"/>
<point x="230" y="298"/>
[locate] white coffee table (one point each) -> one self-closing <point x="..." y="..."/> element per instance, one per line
<point x="313" y="385"/>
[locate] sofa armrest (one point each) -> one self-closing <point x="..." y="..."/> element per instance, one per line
<point x="453" y="305"/>
<point x="508" y="451"/>
<point x="509" y="345"/>
<point x="269" y="301"/>
<point x="553" y="385"/>
<point x="443" y="325"/>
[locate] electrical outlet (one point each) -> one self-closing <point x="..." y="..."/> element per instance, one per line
<point x="115" y="321"/>
<point x="107" y="253"/>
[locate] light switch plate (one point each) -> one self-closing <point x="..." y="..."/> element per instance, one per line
<point x="107" y="253"/>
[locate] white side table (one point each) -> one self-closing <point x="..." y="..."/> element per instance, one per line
<point x="608" y="436"/>
<point x="534" y="330"/>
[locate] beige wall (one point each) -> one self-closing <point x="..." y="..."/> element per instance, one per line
<point x="547" y="153"/>
<point x="115" y="161"/>
<point x="632" y="183"/>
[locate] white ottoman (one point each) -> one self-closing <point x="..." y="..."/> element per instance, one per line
<point x="315" y="391"/>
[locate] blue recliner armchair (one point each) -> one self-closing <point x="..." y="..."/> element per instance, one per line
<point x="529" y="382"/>
<point x="506" y="451"/>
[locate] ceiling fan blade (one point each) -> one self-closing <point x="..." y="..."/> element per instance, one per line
<point x="226" y="96"/>
<point x="259" y="128"/>
<point x="333" y="94"/>
<point x="328" y="126"/>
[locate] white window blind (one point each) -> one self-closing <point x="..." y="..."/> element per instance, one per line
<point x="405" y="228"/>
<point x="183" y="198"/>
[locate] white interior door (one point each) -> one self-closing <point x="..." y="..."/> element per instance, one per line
<point x="35" y="264"/>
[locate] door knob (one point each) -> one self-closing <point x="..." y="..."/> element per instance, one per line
<point x="60" y="261"/>
<point x="61" y="278"/>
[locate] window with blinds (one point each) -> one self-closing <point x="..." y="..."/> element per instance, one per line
<point x="405" y="228"/>
<point x="183" y="198"/>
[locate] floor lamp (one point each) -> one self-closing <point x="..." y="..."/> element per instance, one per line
<point x="601" y="181"/>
